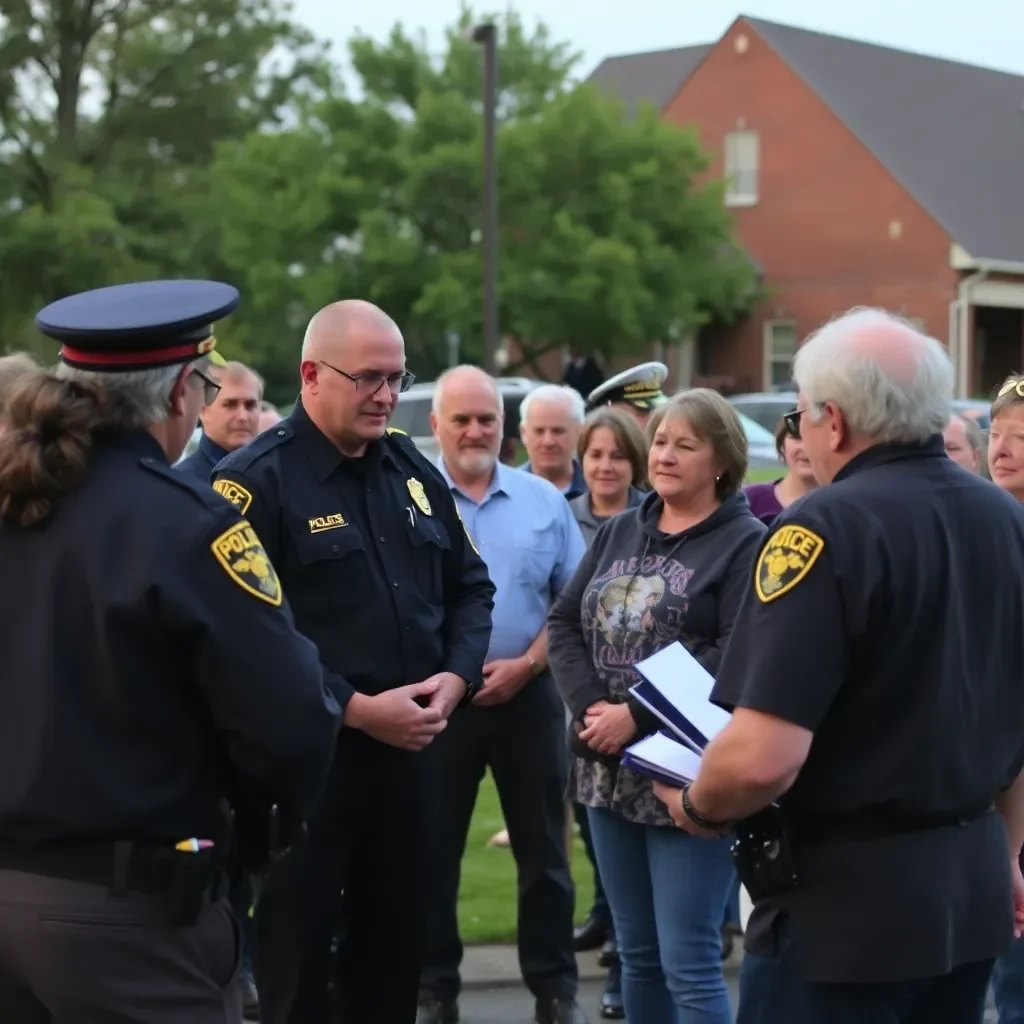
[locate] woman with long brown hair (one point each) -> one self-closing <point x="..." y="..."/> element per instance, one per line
<point x="148" y="675"/>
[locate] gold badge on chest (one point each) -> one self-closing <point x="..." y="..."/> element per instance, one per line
<point x="419" y="495"/>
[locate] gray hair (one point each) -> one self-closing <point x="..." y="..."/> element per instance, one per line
<point x="974" y="434"/>
<point x="554" y="393"/>
<point x="892" y="382"/>
<point x="435" y="401"/>
<point x="146" y="393"/>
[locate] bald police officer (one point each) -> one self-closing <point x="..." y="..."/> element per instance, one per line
<point x="385" y="580"/>
<point x="874" y="672"/>
<point x="149" y="671"/>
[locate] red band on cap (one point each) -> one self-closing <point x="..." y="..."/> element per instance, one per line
<point x="153" y="356"/>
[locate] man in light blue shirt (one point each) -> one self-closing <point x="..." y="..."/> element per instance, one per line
<point x="528" y="536"/>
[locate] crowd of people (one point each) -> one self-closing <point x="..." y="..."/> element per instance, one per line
<point x="248" y="695"/>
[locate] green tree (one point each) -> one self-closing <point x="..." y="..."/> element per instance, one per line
<point x="608" y="236"/>
<point x="111" y="111"/>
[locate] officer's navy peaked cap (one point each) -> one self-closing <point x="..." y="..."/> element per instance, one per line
<point x="138" y="326"/>
<point x="639" y="385"/>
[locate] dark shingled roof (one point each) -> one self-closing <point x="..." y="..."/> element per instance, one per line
<point x="655" y="77"/>
<point x="952" y="134"/>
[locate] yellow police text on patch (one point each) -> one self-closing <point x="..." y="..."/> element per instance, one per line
<point x="235" y="493"/>
<point x="332" y="522"/>
<point x="241" y="555"/>
<point x="419" y="495"/>
<point x="786" y="559"/>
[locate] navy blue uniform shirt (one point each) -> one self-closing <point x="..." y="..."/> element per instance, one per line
<point x="149" y="667"/>
<point x="373" y="556"/>
<point x="884" y="616"/>
<point x="201" y="462"/>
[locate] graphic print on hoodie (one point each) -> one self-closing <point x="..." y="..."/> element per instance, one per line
<point x="637" y="590"/>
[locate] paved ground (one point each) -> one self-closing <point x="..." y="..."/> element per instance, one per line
<point x="494" y="993"/>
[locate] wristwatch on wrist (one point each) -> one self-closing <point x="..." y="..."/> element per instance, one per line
<point x="697" y="818"/>
<point x="535" y="666"/>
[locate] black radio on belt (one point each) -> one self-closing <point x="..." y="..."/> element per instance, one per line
<point x="763" y="853"/>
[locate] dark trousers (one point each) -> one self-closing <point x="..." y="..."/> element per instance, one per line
<point x="772" y="991"/>
<point x="600" y="909"/>
<point x="240" y="896"/>
<point x="70" y="952"/>
<point x="340" y="921"/>
<point x="523" y="743"/>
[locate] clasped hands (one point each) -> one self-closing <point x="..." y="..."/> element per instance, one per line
<point x="607" y="727"/>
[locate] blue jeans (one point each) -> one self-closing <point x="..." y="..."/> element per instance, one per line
<point x="732" y="906"/>
<point x="667" y="892"/>
<point x="1008" y="984"/>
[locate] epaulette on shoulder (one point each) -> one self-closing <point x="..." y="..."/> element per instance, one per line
<point x="186" y="482"/>
<point x="242" y="458"/>
<point x="401" y="440"/>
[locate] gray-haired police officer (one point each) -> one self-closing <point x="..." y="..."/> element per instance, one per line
<point x="149" y="670"/>
<point x="875" y="673"/>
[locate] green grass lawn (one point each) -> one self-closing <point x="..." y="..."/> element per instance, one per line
<point x="757" y="476"/>
<point x="487" y="900"/>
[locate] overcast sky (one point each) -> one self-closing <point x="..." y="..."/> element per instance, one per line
<point x="986" y="32"/>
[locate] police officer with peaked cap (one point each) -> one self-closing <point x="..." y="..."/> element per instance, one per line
<point x="386" y="581"/>
<point x="637" y="391"/>
<point x="875" y="675"/>
<point x="149" y="671"/>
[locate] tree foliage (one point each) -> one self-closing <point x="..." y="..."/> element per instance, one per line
<point x="146" y="138"/>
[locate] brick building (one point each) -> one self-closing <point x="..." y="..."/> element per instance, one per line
<point x="857" y="175"/>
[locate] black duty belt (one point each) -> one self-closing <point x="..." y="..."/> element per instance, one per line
<point x="129" y="866"/>
<point x="814" y="829"/>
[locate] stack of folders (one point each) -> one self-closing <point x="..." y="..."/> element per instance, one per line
<point x="676" y="688"/>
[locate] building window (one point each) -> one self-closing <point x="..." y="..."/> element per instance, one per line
<point x="779" y="350"/>
<point x="741" y="164"/>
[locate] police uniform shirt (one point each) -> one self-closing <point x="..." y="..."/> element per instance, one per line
<point x="201" y="462"/>
<point x="372" y="554"/>
<point x="884" y="615"/>
<point x="143" y="628"/>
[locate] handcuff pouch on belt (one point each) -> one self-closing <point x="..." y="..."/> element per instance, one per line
<point x="762" y="851"/>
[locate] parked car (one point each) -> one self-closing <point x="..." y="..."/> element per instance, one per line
<point x="765" y="408"/>
<point x="412" y="414"/>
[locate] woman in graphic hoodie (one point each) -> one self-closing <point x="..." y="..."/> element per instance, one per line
<point x="673" y="568"/>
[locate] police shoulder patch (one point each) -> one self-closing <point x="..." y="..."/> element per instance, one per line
<point x="787" y="557"/>
<point x="240" y="554"/>
<point x="234" y="492"/>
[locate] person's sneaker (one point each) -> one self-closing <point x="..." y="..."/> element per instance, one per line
<point x="250" y="997"/>
<point x="612" y="1007"/>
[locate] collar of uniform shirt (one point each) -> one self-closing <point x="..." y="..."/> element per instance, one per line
<point x="749" y="764"/>
<point x="322" y="451"/>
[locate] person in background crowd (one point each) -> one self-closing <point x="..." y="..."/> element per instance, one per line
<point x="613" y="454"/>
<point x="674" y="568"/>
<point x="875" y="689"/>
<point x="384" y="579"/>
<point x="582" y="372"/>
<point x="531" y="545"/>
<point x="1006" y="467"/>
<point x="768" y="499"/>
<point x="269" y="417"/>
<point x="230" y="421"/>
<point x="636" y="391"/>
<point x="549" y="424"/>
<point x="965" y="443"/>
<point x="149" y="671"/>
